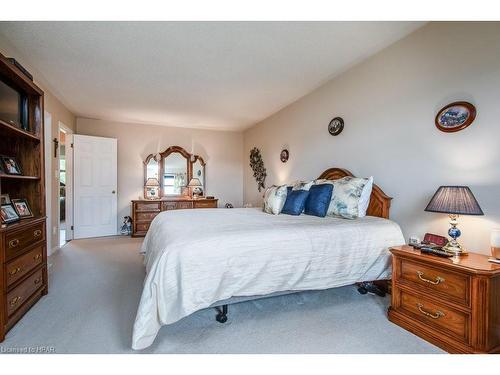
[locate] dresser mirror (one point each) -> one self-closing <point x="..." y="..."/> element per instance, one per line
<point x="173" y="169"/>
<point x="151" y="168"/>
<point x="198" y="168"/>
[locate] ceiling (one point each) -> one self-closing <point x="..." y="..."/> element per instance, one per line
<point x="215" y="75"/>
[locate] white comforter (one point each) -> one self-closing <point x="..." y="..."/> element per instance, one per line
<point x="195" y="258"/>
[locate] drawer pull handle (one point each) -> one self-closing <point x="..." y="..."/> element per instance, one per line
<point x="14" y="271"/>
<point x="38" y="281"/>
<point x="14" y="301"/>
<point x="37" y="233"/>
<point x="14" y="242"/>
<point x="437" y="315"/>
<point x="37" y="256"/>
<point x="438" y="280"/>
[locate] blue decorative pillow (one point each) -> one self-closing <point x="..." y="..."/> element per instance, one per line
<point x="318" y="200"/>
<point x="295" y="201"/>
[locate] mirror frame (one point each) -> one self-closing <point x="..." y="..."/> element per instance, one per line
<point x="146" y="162"/>
<point x="163" y="155"/>
<point x="203" y="164"/>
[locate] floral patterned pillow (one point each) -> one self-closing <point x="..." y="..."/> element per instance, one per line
<point x="302" y="185"/>
<point x="274" y="199"/>
<point x="346" y="196"/>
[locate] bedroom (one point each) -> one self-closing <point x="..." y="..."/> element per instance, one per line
<point x="341" y="130"/>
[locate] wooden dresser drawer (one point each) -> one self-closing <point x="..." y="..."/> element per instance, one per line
<point x="449" y="321"/>
<point x="184" y="205"/>
<point x="146" y="216"/>
<point x="205" y="204"/>
<point x="436" y="280"/>
<point x="21" y="293"/>
<point x="142" y="227"/>
<point x="21" y="266"/>
<point x="16" y="242"/>
<point x="147" y="206"/>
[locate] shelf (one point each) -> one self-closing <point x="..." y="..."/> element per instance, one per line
<point x="15" y="130"/>
<point x="19" y="177"/>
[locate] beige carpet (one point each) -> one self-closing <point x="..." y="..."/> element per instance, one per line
<point x="94" y="290"/>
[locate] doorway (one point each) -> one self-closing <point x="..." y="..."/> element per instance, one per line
<point x="65" y="174"/>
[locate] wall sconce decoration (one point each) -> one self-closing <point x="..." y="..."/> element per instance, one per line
<point x="257" y="165"/>
<point x="56" y="146"/>
<point x="152" y="189"/>
<point x="455" y="117"/>
<point x="336" y="126"/>
<point x="284" y="155"/>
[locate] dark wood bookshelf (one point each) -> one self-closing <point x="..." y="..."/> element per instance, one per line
<point x="19" y="177"/>
<point x="23" y="245"/>
<point x="7" y="128"/>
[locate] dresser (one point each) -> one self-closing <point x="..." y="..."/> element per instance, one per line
<point x="144" y="211"/>
<point x="452" y="303"/>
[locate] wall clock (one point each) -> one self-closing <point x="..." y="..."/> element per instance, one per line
<point x="336" y="126"/>
<point x="455" y="117"/>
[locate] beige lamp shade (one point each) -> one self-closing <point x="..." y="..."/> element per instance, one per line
<point x="152" y="182"/>
<point x="194" y="182"/>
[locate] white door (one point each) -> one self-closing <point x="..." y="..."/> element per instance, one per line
<point x="94" y="188"/>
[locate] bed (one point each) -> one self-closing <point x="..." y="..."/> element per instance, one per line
<point x="214" y="257"/>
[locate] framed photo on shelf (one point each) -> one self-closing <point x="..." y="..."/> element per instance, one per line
<point x="8" y="214"/>
<point x="10" y="165"/>
<point x="4" y="199"/>
<point x="22" y="208"/>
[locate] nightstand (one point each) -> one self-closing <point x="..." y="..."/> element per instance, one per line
<point x="453" y="303"/>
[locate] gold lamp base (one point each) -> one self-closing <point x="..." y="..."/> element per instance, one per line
<point x="454" y="248"/>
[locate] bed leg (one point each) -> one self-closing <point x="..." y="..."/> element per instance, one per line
<point x="221" y="317"/>
<point x="372" y="288"/>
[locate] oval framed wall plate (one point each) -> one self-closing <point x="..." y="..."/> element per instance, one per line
<point x="455" y="117"/>
<point x="336" y="126"/>
<point x="284" y="155"/>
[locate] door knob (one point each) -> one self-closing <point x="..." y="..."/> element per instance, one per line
<point x="113" y="192"/>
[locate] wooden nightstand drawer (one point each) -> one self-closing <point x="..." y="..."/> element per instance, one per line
<point x="433" y="279"/>
<point x="449" y="321"/>
<point x="21" y="293"/>
<point x="17" y="242"/>
<point x="23" y="265"/>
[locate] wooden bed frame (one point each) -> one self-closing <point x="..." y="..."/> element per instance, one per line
<point x="379" y="206"/>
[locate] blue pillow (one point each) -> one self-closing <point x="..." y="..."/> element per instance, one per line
<point x="318" y="200"/>
<point x="295" y="201"/>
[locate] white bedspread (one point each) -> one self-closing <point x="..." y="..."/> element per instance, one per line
<point x="195" y="258"/>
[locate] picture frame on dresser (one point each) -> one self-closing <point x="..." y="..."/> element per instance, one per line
<point x="9" y="214"/>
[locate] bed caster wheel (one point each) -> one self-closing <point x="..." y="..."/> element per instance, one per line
<point x="362" y="290"/>
<point x="221" y="318"/>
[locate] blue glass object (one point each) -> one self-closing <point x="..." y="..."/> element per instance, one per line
<point x="454" y="232"/>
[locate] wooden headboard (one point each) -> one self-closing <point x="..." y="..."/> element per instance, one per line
<point x="379" y="201"/>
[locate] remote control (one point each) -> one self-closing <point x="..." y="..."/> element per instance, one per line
<point x="438" y="252"/>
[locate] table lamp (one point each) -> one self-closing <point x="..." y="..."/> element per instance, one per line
<point x="454" y="201"/>
<point x="152" y="189"/>
<point x="195" y="186"/>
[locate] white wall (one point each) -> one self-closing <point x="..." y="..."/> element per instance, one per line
<point x="389" y="103"/>
<point x="221" y="150"/>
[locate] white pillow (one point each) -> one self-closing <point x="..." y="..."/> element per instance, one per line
<point x="346" y="197"/>
<point x="274" y="199"/>
<point x="364" y="200"/>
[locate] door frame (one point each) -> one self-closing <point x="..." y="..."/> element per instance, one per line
<point x="47" y="121"/>
<point x="69" y="182"/>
